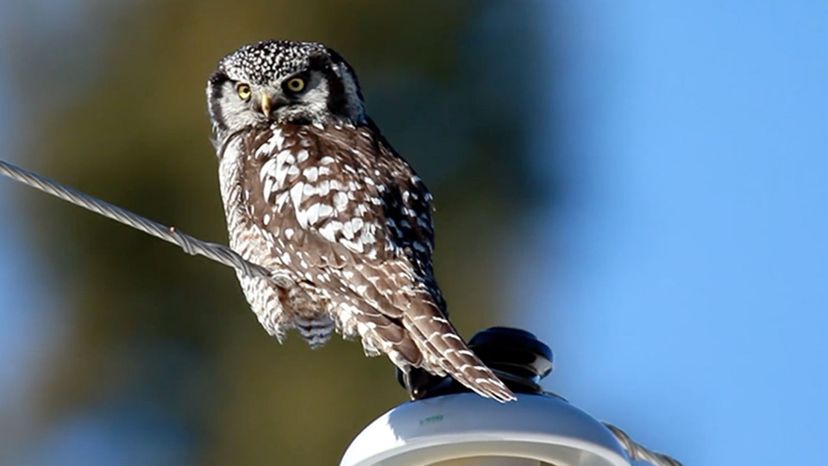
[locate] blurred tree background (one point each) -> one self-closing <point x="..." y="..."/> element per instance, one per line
<point x="160" y="349"/>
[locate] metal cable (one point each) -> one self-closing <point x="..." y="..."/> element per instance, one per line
<point x="638" y="452"/>
<point x="191" y="245"/>
<point x="226" y="256"/>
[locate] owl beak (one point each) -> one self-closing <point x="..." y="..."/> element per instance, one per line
<point x="267" y="105"/>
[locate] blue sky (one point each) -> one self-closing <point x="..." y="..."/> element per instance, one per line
<point x="682" y="279"/>
<point x="18" y="328"/>
<point x="688" y="291"/>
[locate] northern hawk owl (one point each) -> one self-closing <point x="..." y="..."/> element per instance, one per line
<point x="312" y="189"/>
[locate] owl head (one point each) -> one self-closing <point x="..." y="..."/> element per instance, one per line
<point x="281" y="81"/>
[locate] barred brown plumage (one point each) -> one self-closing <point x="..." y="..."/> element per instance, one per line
<point x="311" y="187"/>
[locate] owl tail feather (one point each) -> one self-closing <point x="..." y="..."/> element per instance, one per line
<point x="442" y="346"/>
<point x="316" y="332"/>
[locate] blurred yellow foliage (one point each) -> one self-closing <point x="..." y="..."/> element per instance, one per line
<point x="169" y="336"/>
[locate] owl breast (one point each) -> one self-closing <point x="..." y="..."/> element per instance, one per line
<point x="253" y="234"/>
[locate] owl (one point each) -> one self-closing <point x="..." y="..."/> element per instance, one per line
<point x="313" y="191"/>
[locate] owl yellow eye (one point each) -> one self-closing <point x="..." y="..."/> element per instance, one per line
<point x="295" y="85"/>
<point x="244" y="91"/>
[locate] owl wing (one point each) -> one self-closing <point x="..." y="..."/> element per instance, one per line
<point x="348" y="216"/>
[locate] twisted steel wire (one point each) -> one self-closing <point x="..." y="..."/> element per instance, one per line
<point x="191" y="245"/>
<point x="226" y="256"/>
<point x="638" y="452"/>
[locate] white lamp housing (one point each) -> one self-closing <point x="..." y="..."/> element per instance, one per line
<point x="465" y="429"/>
